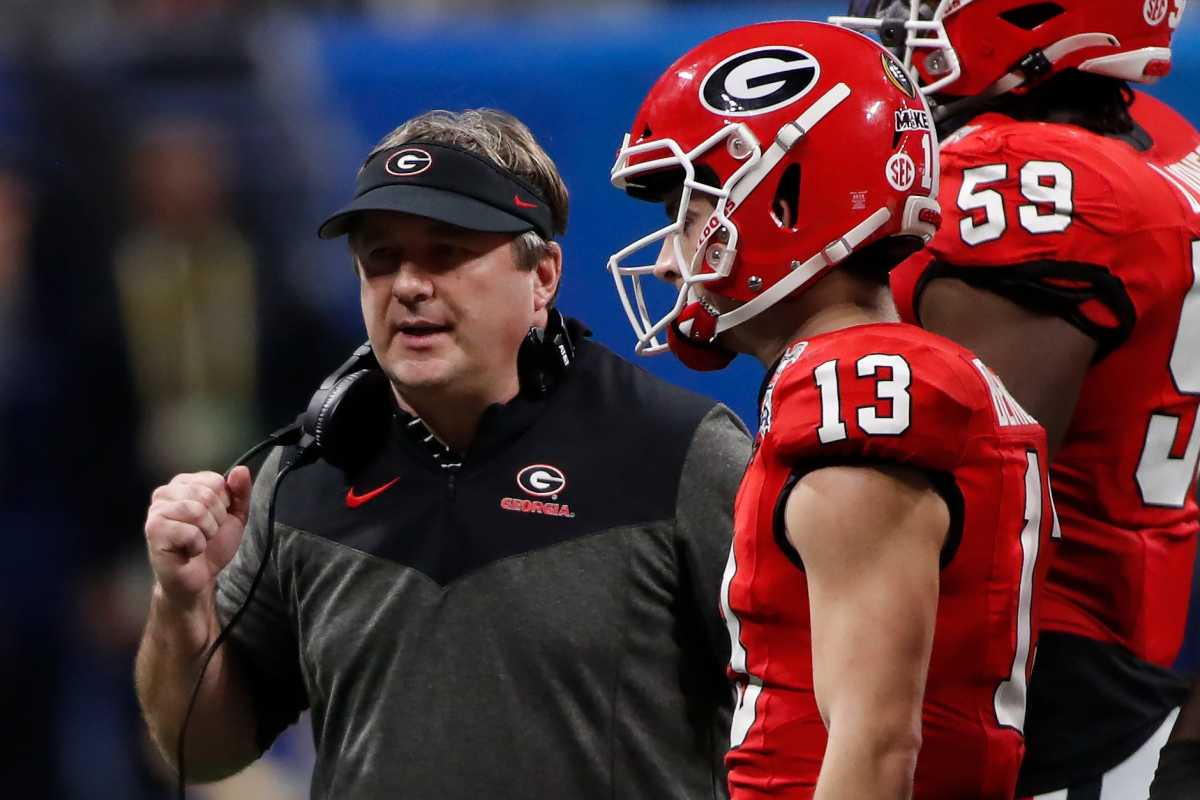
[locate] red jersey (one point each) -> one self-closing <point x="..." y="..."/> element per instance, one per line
<point x="892" y="393"/>
<point x="1108" y="236"/>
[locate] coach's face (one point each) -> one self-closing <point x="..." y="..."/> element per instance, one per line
<point x="447" y="308"/>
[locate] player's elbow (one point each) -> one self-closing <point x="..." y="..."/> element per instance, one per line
<point x="885" y="745"/>
<point x="891" y="756"/>
<point x="897" y="748"/>
<point x="891" y="740"/>
<point x="895" y="761"/>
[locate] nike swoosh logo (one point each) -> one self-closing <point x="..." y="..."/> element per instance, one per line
<point x="355" y="500"/>
<point x="521" y="203"/>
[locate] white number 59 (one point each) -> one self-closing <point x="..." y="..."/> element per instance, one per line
<point x="1043" y="184"/>
<point x="1163" y="479"/>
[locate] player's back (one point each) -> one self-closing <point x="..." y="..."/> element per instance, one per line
<point x="1124" y="477"/>
<point x="888" y="394"/>
<point x="1105" y="232"/>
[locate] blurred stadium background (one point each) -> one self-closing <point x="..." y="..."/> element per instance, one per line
<point x="164" y="300"/>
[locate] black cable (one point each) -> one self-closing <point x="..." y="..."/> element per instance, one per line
<point x="272" y="440"/>
<point x="278" y="437"/>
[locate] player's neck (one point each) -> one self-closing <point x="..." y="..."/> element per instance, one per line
<point x="838" y="301"/>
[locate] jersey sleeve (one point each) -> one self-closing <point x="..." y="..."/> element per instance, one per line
<point x="263" y="642"/>
<point x="901" y="405"/>
<point x="1032" y="213"/>
<point x="903" y="280"/>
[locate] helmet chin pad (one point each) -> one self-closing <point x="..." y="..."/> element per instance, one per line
<point x="698" y="349"/>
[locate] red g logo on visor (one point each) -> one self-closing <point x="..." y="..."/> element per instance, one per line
<point x="408" y="162"/>
<point x="541" y="480"/>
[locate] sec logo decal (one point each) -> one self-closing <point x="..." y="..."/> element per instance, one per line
<point x="901" y="172"/>
<point x="1155" y="11"/>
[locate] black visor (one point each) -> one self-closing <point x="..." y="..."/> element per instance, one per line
<point x="447" y="184"/>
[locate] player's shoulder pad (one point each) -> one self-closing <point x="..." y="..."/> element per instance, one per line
<point x="991" y="137"/>
<point x="1027" y="151"/>
<point x="1161" y="120"/>
<point x="892" y="393"/>
<point x="1023" y="192"/>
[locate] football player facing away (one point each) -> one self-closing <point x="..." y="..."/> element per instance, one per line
<point x="1072" y="235"/>
<point x="892" y="529"/>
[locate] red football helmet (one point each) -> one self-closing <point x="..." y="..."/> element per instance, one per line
<point x="819" y="114"/>
<point x="989" y="47"/>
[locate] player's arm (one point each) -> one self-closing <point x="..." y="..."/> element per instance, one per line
<point x="870" y="539"/>
<point x="1029" y="267"/>
<point x="1041" y="358"/>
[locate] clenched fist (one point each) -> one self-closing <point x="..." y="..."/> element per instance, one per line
<point x="193" y="528"/>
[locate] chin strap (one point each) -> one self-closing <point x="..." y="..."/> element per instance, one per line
<point x="1029" y="70"/>
<point x="693" y="335"/>
<point x="692" y="338"/>
<point x="1040" y="62"/>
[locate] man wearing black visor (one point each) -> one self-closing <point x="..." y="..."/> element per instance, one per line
<point x="496" y="572"/>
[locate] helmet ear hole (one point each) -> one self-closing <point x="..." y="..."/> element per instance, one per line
<point x="785" y="206"/>
<point x="876" y="260"/>
<point x="1031" y="16"/>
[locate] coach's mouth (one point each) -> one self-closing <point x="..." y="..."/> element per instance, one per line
<point x="421" y="332"/>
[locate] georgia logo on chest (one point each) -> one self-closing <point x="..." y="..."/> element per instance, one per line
<point x="544" y="484"/>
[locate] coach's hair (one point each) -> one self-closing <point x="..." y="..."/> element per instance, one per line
<point x="505" y="141"/>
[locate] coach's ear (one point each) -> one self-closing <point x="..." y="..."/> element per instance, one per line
<point x="547" y="274"/>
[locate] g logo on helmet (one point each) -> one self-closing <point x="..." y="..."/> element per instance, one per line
<point x="541" y="480"/>
<point x="408" y="162"/>
<point x="759" y="80"/>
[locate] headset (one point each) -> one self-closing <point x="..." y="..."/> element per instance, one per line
<point x="341" y="425"/>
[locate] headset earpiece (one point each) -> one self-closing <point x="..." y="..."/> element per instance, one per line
<point x="348" y="415"/>
<point x="545" y="355"/>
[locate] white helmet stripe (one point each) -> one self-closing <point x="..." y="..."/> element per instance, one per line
<point x="832" y="254"/>
<point x="787" y="136"/>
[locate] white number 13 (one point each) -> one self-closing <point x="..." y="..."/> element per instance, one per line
<point x="870" y="421"/>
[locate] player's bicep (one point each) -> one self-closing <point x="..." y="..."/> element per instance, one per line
<point x="1041" y="357"/>
<point x="1043" y="226"/>
<point x="870" y="540"/>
